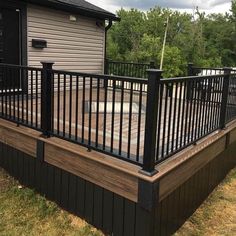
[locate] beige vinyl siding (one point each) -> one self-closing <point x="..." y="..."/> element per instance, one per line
<point x="74" y="46"/>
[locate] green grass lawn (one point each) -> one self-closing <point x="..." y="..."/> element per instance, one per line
<point x="23" y="212"/>
<point x="217" y="215"/>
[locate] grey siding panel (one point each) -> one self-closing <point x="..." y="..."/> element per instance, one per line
<point x="74" y="46"/>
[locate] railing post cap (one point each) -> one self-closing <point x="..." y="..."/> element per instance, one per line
<point x="47" y="62"/>
<point x="154" y="71"/>
<point x="227" y="70"/>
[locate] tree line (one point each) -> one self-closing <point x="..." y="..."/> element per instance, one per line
<point x="205" y="40"/>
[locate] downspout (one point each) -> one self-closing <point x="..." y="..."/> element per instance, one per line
<point x="105" y="53"/>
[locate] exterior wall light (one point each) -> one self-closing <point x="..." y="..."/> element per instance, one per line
<point x="73" y="18"/>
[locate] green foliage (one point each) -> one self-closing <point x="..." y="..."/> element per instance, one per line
<point x="173" y="64"/>
<point x="147" y="51"/>
<point x="205" y="40"/>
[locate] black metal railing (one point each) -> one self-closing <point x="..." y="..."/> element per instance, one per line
<point x="106" y="119"/>
<point x="20" y="95"/>
<point x="130" y="69"/>
<point x="145" y="124"/>
<point x="187" y="110"/>
<point x="231" y="101"/>
<point x="231" y="90"/>
<point x="201" y="71"/>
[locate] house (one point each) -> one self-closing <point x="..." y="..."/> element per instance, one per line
<point x="71" y="33"/>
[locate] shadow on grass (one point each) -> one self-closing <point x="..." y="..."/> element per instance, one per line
<point x="24" y="212"/>
<point x="217" y="215"/>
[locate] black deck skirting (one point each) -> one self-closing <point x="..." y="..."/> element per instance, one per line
<point x="114" y="214"/>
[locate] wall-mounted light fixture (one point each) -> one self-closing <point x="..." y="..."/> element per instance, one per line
<point x="73" y="18"/>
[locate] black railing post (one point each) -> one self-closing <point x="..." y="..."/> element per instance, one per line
<point x="190" y="69"/>
<point x="149" y="160"/>
<point x="46" y="98"/>
<point x="190" y="72"/>
<point x="152" y="65"/>
<point x="106" y="67"/>
<point x="225" y="93"/>
<point x="106" y="72"/>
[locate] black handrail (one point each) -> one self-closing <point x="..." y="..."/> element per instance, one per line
<point x="130" y="69"/>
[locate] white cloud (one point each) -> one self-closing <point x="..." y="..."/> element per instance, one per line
<point x="210" y="6"/>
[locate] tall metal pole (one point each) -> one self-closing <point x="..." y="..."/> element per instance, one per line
<point x="164" y="43"/>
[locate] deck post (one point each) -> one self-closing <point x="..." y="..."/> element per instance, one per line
<point x="106" y="72"/>
<point x="190" y="72"/>
<point x="149" y="160"/>
<point x="190" y="69"/>
<point x="225" y="91"/>
<point x="152" y="65"/>
<point x="46" y="98"/>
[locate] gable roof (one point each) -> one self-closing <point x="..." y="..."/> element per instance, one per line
<point x="81" y="7"/>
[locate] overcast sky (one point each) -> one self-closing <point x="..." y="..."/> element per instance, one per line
<point x="210" y="6"/>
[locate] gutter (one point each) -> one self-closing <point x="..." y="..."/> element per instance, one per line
<point x="105" y="53"/>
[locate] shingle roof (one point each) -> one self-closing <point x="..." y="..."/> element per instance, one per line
<point x="79" y="6"/>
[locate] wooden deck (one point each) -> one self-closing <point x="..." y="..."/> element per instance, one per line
<point x="112" y="194"/>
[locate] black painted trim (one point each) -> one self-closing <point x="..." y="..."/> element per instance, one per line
<point x="110" y="212"/>
<point x="148" y="194"/>
<point x="40" y="151"/>
<point x="23" y="36"/>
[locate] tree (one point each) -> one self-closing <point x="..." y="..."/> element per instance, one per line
<point x="174" y="63"/>
<point x="128" y="33"/>
<point x="205" y="40"/>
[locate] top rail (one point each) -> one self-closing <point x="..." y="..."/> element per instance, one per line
<point x="179" y="79"/>
<point x="130" y="63"/>
<point x="128" y="68"/>
<point x="101" y="76"/>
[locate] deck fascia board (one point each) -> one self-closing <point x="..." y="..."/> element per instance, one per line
<point x="113" y="174"/>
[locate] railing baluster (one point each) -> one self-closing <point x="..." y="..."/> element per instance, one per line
<point x="113" y="114"/>
<point x="18" y="96"/>
<point x="160" y="100"/>
<point x="139" y="121"/>
<point x="130" y="119"/>
<point x="174" y="116"/>
<point x="164" y="121"/>
<point x="76" y="107"/>
<point x="36" y="95"/>
<point x="105" y="119"/>
<point x="97" y="112"/>
<point x="90" y="110"/>
<point x="121" y="117"/>
<point x="70" y="105"/>
<point x="83" y="108"/>
<point x="58" y="102"/>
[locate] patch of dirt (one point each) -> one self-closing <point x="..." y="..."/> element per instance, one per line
<point x="5" y="180"/>
<point x="77" y="222"/>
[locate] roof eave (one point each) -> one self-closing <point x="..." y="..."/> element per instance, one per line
<point x="76" y="10"/>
